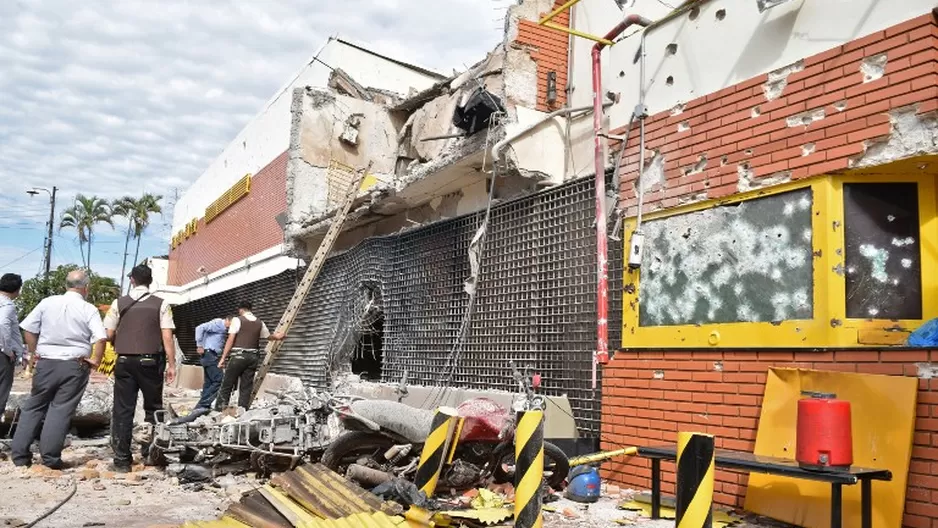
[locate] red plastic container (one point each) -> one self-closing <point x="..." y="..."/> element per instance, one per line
<point x="824" y="440"/>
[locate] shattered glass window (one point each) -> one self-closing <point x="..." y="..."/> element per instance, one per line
<point x="882" y="258"/>
<point x="745" y="262"/>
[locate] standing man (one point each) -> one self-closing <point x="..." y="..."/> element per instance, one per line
<point x="60" y="331"/>
<point x="244" y="340"/>
<point x="210" y="340"/>
<point x="11" y="339"/>
<point x="141" y="327"/>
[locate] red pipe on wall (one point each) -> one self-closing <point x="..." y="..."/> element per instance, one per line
<point x="602" y="264"/>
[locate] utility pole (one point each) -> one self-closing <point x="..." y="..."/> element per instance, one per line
<point x="48" y="246"/>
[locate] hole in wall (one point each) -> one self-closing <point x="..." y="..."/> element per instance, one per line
<point x="694" y="13"/>
<point x="721" y="14"/>
<point x="621" y="73"/>
<point x="669" y="81"/>
<point x="671" y="49"/>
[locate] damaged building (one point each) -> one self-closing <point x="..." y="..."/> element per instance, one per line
<point x="778" y="176"/>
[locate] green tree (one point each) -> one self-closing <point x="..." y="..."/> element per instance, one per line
<point x="145" y="206"/>
<point x="101" y="290"/>
<point x="125" y="207"/>
<point x="83" y="216"/>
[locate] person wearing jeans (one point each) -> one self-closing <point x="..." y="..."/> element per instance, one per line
<point x="243" y="346"/>
<point x="210" y="339"/>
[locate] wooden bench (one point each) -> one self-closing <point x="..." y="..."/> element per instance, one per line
<point x="750" y="463"/>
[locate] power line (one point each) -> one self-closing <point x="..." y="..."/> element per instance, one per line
<point x="21" y="257"/>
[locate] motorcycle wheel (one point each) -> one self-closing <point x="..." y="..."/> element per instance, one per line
<point x="555" y="462"/>
<point x="353" y="446"/>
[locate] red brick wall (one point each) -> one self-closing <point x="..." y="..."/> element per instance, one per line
<point x="724" y="129"/>
<point x="244" y="229"/>
<point x="548" y="48"/>
<point x="641" y="410"/>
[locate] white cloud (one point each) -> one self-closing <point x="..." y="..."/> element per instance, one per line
<point x="113" y="98"/>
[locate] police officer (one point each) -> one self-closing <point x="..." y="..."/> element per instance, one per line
<point x="243" y="346"/>
<point x="140" y="325"/>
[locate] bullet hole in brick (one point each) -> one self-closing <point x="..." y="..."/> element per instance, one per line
<point x="723" y="160"/>
<point x="756" y="111"/>
<point x="721" y="14"/>
<point x="671" y="49"/>
<point x="669" y="81"/>
<point x="748" y="153"/>
<point x="694" y="13"/>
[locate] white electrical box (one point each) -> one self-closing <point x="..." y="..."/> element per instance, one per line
<point x="636" y="249"/>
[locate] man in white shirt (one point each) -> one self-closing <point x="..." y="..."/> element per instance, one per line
<point x="11" y="339"/>
<point x="60" y="332"/>
<point x="243" y="345"/>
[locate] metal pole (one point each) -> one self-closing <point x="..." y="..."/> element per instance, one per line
<point x="529" y="469"/>
<point x="435" y="450"/>
<point x="51" y="226"/>
<point x="695" y="469"/>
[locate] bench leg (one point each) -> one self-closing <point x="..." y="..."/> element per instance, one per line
<point x="867" y="503"/>
<point x="655" y="488"/>
<point x="837" y="506"/>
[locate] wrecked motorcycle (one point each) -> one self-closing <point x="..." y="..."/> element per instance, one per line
<point x="385" y="438"/>
<point x="269" y="438"/>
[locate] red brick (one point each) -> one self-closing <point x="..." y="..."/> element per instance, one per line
<point x="828" y="167"/>
<point x="884" y="94"/>
<point x="907" y="26"/>
<point x="929" y="93"/>
<point x="913" y="48"/>
<point x="822" y="57"/>
<point x="864" y="41"/>
<point x="887" y="44"/>
<point x="844" y="83"/>
<point x="252" y="219"/>
<point x="869" y="133"/>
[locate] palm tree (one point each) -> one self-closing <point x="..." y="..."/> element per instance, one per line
<point x="125" y="207"/>
<point x="143" y="207"/>
<point x="82" y="216"/>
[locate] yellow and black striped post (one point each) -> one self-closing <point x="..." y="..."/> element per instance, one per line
<point x="529" y="469"/>
<point x="695" y="468"/>
<point x="435" y="450"/>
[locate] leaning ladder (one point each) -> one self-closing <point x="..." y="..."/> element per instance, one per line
<point x="315" y="266"/>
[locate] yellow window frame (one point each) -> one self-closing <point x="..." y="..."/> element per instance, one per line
<point x="829" y="326"/>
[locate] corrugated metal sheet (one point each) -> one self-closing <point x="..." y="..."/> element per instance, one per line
<point x="312" y="496"/>
<point x="536" y="301"/>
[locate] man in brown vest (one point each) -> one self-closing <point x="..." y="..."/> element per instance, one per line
<point x="244" y="348"/>
<point x="141" y="327"/>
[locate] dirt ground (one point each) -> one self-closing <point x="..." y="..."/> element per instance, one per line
<point x="143" y="498"/>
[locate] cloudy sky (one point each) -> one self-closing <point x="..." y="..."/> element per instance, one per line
<point x="111" y="98"/>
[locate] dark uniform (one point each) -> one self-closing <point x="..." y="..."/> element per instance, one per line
<point x="141" y="363"/>
<point x="242" y="363"/>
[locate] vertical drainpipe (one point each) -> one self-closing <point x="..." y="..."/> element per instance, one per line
<point x="602" y="264"/>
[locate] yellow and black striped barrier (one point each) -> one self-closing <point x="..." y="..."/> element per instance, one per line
<point x="435" y="450"/>
<point x="529" y="469"/>
<point x="695" y="468"/>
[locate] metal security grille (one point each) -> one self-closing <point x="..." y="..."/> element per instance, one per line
<point x="535" y="304"/>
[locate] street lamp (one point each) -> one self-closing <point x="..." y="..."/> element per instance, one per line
<point x="33" y="192"/>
